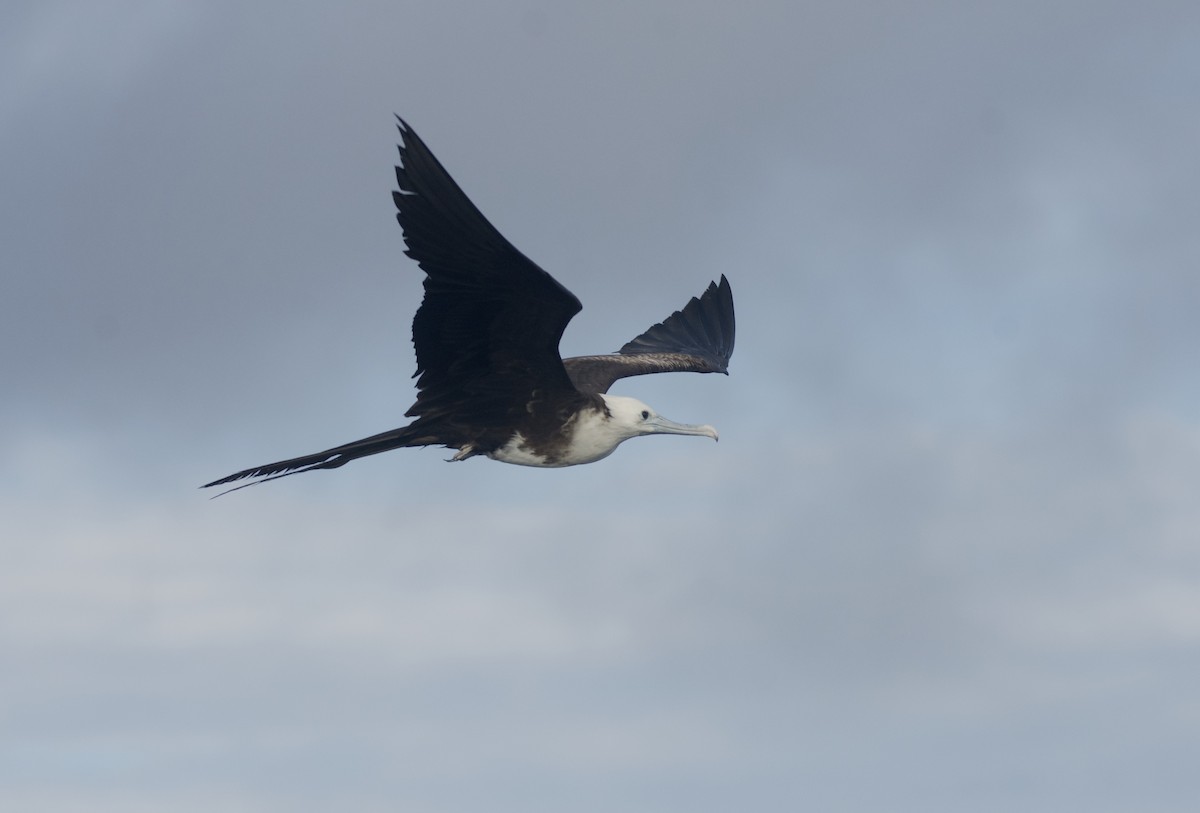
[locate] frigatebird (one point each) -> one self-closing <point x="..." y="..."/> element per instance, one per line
<point x="490" y="380"/>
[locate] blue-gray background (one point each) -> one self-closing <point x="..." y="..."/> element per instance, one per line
<point x="946" y="556"/>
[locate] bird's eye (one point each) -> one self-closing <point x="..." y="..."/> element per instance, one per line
<point x="645" y="414"/>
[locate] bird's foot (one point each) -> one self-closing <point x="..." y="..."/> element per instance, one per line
<point x="462" y="454"/>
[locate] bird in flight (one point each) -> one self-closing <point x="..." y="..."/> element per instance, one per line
<point x="490" y="380"/>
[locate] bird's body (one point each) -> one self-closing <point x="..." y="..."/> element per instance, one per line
<point x="589" y="434"/>
<point x="585" y="436"/>
<point x="490" y="379"/>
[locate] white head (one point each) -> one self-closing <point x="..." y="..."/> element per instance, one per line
<point x="631" y="418"/>
<point x="596" y="435"/>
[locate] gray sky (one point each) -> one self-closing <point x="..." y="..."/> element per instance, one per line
<point x="946" y="556"/>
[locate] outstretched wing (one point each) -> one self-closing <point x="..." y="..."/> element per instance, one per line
<point x="697" y="339"/>
<point x="487" y="333"/>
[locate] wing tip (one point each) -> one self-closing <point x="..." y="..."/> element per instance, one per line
<point x="704" y="327"/>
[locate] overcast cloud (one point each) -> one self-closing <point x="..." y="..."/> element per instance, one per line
<point x="946" y="556"/>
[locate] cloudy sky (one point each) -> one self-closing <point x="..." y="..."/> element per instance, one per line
<point x="946" y="556"/>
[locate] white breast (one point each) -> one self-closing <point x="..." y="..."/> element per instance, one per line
<point x="591" y="438"/>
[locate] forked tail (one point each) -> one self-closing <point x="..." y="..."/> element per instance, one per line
<point x="328" y="459"/>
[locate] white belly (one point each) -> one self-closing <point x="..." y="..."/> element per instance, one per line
<point x="590" y="440"/>
<point x="516" y="451"/>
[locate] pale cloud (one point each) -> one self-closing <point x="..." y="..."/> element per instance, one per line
<point x="73" y="51"/>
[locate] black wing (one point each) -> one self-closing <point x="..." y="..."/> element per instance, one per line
<point x="697" y="339"/>
<point x="487" y="333"/>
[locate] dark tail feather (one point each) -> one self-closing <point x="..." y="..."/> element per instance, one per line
<point x="328" y="459"/>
